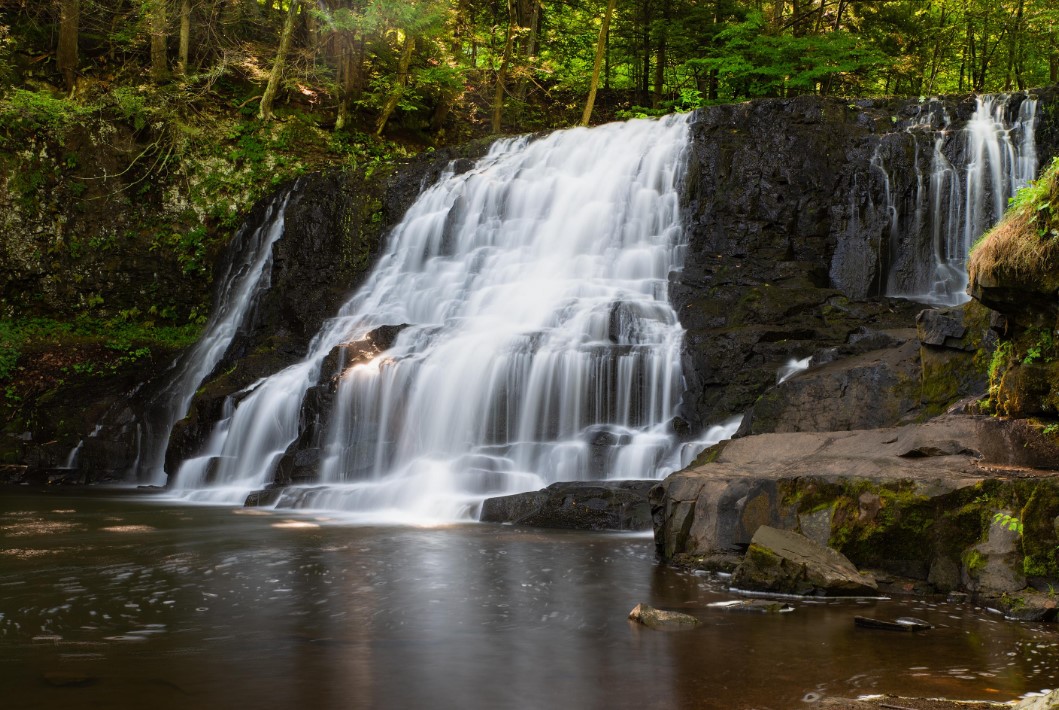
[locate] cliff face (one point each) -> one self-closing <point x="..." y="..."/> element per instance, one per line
<point x="801" y="214"/>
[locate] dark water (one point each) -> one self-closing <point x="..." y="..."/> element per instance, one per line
<point x="115" y="602"/>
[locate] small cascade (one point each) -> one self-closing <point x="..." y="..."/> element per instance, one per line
<point x="73" y="459"/>
<point x="792" y="368"/>
<point x="957" y="188"/>
<point x="533" y="342"/>
<point x="246" y="277"/>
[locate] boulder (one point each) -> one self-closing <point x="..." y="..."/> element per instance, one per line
<point x="785" y="562"/>
<point x="1047" y="701"/>
<point x="662" y="620"/>
<point x="578" y="505"/>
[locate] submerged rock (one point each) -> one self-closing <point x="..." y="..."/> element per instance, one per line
<point x="662" y="620"/>
<point x="578" y="505"/>
<point x="786" y="562"/>
<point x="758" y="606"/>
<point x="904" y="623"/>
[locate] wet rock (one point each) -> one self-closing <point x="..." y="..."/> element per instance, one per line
<point x="662" y="620"/>
<point x="707" y="563"/>
<point x="1024" y="605"/>
<point x="782" y="561"/>
<point x="579" y="505"/>
<point x="69" y="679"/>
<point x="1047" y="701"/>
<point x="300" y="463"/>
<point x="994" y="566"/>
<point x="942" y="327"/>
<point x="904" y="623"/>
<point x="756" y="606"/>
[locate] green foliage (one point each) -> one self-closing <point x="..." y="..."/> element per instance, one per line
<point x="40" y="111"/>
<point x="131" y="105"/>
<point x="1042" y="348"/>
<point x="752" y="62"/>
<point x="1009" y="521"/>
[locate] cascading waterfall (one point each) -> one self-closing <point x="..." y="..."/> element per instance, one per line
<point x="538" y="341"/>
<point x="963" y="181"/>
<point x="247" y="276"/>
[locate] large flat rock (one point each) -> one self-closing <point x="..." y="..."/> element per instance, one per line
<point x="913" y="501"/>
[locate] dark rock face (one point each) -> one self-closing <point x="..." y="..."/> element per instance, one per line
<point x="579" y="505"/>
<point x="789" y="244"/>
<point x="873" y="389"/>
<point x="784" y="562"/>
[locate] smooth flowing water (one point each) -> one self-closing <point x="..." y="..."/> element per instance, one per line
<point x="121" y="603"/>
<point x="960" y="188"/>
<point x="539" y="343"/>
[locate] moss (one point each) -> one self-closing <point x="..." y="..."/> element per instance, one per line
<point x="1040" y="539"/>
<point x="973" y="561"/>
<point x="708" y="455"/>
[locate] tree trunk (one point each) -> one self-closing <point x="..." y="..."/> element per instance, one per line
<point x="66" y="54"/>
<point x="838" y="14"/>
<point x="264" y="112"/>
<point x="501" y="75"/>
<point x="402" y="81"/>
<point x="185" y="37"/>
<point x="1015" y="55"/>
<point x="157" y="23"/>
<point x="598" y="63"/>
<point x="660" y="58"/>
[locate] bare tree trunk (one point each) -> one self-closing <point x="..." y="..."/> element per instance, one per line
<point x="157" y="22"/>
<point x="501" y="75"/>
<point x="66" y="54"/>
<point x="185" y="37"/>
<point x="264" y="112"/>
<point x="402" y="81"/>
<point x="598" y="63"/>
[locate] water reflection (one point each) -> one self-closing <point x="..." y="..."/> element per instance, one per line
<point x="214" y="608"/>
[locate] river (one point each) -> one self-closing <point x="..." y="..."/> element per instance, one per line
<point x="124" y="600"/>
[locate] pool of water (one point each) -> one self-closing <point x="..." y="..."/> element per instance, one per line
<point x="124" y="601"/>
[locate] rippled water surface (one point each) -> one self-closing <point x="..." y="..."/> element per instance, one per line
<point x="119" y="602"/>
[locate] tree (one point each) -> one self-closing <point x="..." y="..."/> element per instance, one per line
<point x="501" y="72"/>
<point x="156" y="20"/>
<point x="185" y="37"/>
<point x="264" y="112"/>
<point x="66" y="56"/>
<point x="601" y="44"/>
<point x="402" y="83"/>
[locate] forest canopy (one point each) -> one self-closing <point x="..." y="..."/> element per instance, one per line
<point x="478" y="66"/>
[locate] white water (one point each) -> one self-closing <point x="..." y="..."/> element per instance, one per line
<point x="247" y="276"/>
<point x="541" y="344"/>
<point x="962" y="184"/>
<point x="792" y="368"/>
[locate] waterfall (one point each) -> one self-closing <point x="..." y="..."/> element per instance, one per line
<point x="536" y="341"/>
<point x="245" y="278"/>
<point x="963" y="179"/>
